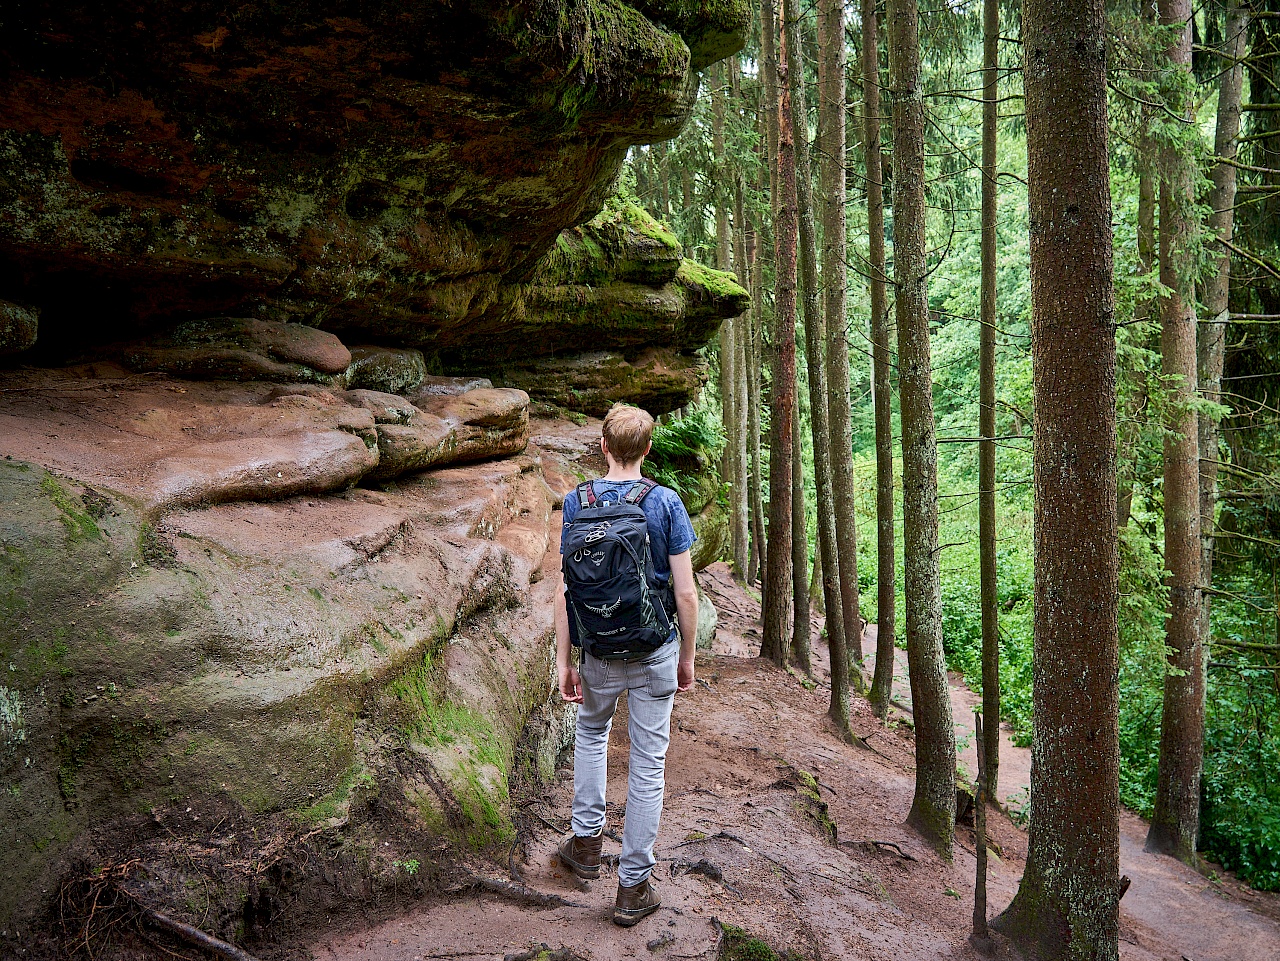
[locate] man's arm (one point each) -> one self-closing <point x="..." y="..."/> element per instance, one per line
<point x="686" y="613"/>
<point x="570" y="682"/>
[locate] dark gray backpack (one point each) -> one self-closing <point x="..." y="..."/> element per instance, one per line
<point x="616" y="607"/>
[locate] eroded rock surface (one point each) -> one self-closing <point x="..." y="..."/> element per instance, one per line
<point x="233" y="348"/>
<point x="390" y="171"/>
<point x="169" y="444"/>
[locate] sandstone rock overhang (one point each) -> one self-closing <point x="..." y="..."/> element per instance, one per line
<point x="394" y="168"/>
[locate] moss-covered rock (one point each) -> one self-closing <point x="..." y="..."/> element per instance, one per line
<point x="712" y="527"/>
<point x="265" y="654"/>
<point x="656" y="379"/>
<point x="392" y="170"/>
<point x="19" y="328"/>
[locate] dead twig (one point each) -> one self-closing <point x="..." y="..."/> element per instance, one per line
<point x="865" y="741"/>
<point x="726" y="836"/>
<point x="718" y="836"/>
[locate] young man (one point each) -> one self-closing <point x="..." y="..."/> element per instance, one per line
<point x="650" y="681"/>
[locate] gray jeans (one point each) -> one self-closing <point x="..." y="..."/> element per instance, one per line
<point x="651" y="687"/>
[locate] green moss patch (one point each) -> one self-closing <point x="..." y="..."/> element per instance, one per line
<point x="77" y="520"/>
<point x="334" y="804"/>
<point x="718" y="283"/>
<point x="464" y="749"/>
<point x="741" y="945"/>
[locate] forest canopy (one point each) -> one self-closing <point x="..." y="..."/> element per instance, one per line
<point x="716" y="185"/>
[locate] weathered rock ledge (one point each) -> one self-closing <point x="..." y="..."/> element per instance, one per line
<point x="392" y="172"/>
<point x="200" y="611"/>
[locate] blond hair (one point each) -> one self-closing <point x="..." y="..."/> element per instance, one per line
<point x="628" y="431"/>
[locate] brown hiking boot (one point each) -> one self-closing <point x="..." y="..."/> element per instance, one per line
<point x="581" y="855"/>
<point x="636" y="902"/>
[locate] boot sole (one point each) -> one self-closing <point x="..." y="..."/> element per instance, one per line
<point x="580" y="871"/>
<point x="626" y="919"/>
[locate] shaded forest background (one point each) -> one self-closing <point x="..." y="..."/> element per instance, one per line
<point x="712" y="185"/>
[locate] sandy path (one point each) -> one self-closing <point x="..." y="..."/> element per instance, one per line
<point x="769" y="867"/>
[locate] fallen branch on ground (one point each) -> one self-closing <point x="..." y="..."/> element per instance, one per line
<point x="189" y="934"/>
<point x="865" y="741"/>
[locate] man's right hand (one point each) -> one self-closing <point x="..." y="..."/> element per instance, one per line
<point x="684" y="676"/>
<point x="570" y="684"/>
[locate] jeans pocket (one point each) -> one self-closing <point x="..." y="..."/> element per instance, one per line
<point x="594" y="671"/>
<point x="661" y="674"/>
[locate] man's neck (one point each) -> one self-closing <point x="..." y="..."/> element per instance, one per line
<point x="618" y="472"/>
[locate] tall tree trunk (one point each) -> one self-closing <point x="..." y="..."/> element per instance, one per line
<point x="817" y="600"/>
<point x="642" y="163"/>
<point x="1211" y="348"/>
<point x="741" y="329"/>
<point x="825" y="520"/>
<point x="934" y="804"/>
<point x="987" y="405"/>
<point x="772" y="94"/>
<point x="664" y="182"/>
<point x="800" y="626"/>
<point x="755" y="488"/>
<point x="1067" y="905"/>
<point x="886" y="573"/>
<point x="831" y="109"/>
<point x="1131" y="428"/>
<point x="724" y="261"/>
<point x="1175" y="821"/>
<point x="778" y="570"/>
<point x="827" y="561"/>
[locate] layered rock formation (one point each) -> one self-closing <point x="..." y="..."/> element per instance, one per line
<point x="392" y="172"/>
<point x="271" y="535"/>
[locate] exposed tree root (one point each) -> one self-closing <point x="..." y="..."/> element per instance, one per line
<point x="513" y="891"/>
<point x="880" y="846"/>
<point x="192" y="936"/>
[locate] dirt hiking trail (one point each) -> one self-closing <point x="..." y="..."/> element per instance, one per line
<point x="774" y="826"/>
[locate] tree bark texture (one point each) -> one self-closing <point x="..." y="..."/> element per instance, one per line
<point x="987" y="405"/>
<point x="831" y="110"/>
<point x="1067" y="905"/>
<point x="1212" y="337"/>
<point x="755" y="487"/>
<point x="773" y="96"/>
<point x="801" y="641"/>
<point x="1131" y="427"/>
<point x="882" y="361"/>
<point x="826" y="561"/>
<point x="724" y="261"/>
<point x="742" y="330"/>
<point x="778" y="569"/>
<point x="1175" y="821"/>
<point x="933" y="806"/>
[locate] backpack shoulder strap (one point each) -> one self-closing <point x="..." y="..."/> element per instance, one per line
<point x="640" y="490"/>
<point x="586" y="495"/>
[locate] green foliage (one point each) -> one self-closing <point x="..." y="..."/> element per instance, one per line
<point x="741" y="945"/>
<point x="684" y="450"/>
<point x="409" y="866"/>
